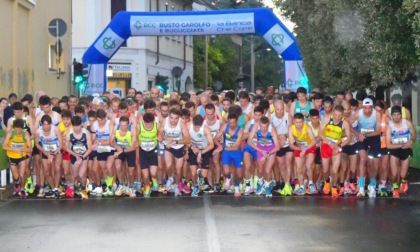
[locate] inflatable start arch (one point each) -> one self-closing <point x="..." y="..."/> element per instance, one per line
<point x="259" y="21"/>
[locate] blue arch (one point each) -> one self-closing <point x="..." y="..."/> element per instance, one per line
<point x="259" y="21"/>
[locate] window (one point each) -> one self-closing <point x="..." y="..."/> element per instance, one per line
<point x="52" y="59"/>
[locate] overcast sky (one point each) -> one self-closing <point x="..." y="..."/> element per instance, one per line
<point x="287" y="23"/>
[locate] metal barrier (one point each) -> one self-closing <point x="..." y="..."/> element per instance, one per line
<point x="4" y="174"/>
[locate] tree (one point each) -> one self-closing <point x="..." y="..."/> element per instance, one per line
<point x="353" y="44"/>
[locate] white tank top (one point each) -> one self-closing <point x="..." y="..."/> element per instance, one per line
<point x="101" y="133"/>
<point x="213" y="128"/>
<point x="54" y="118"/>
<point x="50" y="142"/>
<point x="281" y="125"/>
<point x="198" y="139"/>
<point x="400" y="135"/>
<point x="174" y="133"/>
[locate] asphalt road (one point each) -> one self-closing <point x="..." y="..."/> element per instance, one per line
<point x="213" y="223"/>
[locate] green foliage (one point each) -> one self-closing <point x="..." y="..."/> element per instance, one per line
<point x="354" y="44"/>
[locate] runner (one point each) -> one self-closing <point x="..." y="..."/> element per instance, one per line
<point x="78" y="145"/>
<point x="302" y="105"/>
<point x="315" y="125"/>
<point x="17" y="144"/>
<point x="267" y="145"/>
<point x="200" y="150"/>
<point x="65" y="126"/>
<point x="400" y="137"/>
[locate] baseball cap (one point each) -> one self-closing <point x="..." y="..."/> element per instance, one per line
<point x="367" y="102"/>
<point x="98" y="101"/>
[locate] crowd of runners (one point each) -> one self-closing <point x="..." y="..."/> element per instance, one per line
<point x="242" y="143"/>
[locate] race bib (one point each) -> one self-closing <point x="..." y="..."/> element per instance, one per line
<point x="148" y="145"/>
<point x="123" y="145"/>
<point x="230" y="142"/>
<point x="301" y="143"/>
<point x="400" y="140"/>
<point x="254" y="141"/>
<point x="332" y="139"/>
<point x="103" y="148"/>
<point x="198" y="144"/>
<point x="79" y="148"/>
<point x="18" y="145"/>
<point x="50" y="147"/>
<point x="265" y="142"/>
<point x="366" y="130"/>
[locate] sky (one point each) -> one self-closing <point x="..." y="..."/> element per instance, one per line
<point x="287" y="23"/>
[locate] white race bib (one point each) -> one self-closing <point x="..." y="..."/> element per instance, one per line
<point x="79" y="148"/>
<point x="50" y="147"/>
<point x="148" y="145"/>
<point x="18" y="145"/>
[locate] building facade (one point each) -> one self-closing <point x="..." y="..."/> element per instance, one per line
<point x="28" y="55"/>
<point x="137" y="63"/>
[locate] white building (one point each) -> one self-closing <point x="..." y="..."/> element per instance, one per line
<point x="141" y="59"/>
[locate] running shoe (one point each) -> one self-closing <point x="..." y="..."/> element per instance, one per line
<point x="29" y="186"/>
<point x="194" y="191"/>
<point x="319" y="185"/>
<point x="272" y="184"/>
<point x="168" y="185"/>
<point x="209" y="189"/>
<point x="353" y="189"/>
<point x="326" y="190"/>
<point x="382" y="190"/>
<point x="404" y="187"/>
<point x="155" y="185"/>
<point x="85" y="194"/>
<point x="147" y="192"/>
<point x="371" y="191"/>
<point x="50" y="194"/>
<point x="227" y="184"/>
<point x="69" y="192"/>
<point x="184" y="188"/>
<point x="334" y="192"/>
<point x="97" y="191"/>
<point x="287" y="190"/>
<point x="177" y="192"/>
<point x="108" y="192"/>
<point x="120" y="190"/>
<point x="312" y="189"/>
<point x="396" y="193"/>
<point x="260" y="188"/>
<point x="17" y="189"/>
<point x="161" y="188"/>
<point x="347" y="190"/>
<point x="341" y="191"/>
<point x="218" y="187"/>
<point x="57" y="193"/>
<point x="247" y="191"/>
<point x="22" y="194"/>
<point x="268" y="192"/>
<point x="361" y="192"/>
<point x="237" y="192"/>
<point x="132" y="192"/>
<point x="300" y="191"/>
<point x="41" y="193"/>
<point x="89" y="188"/>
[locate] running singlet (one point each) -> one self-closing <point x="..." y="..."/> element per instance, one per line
<point x="333" y="132"/>
<point x="265" y="140"/>
<point x="78" y="146"/>
<point x="367" y="125"/>
<point x="318" y="144"/>
<point x="400" y="135"/>
<point x="299" y="109"/>
<point x="255" y="139"/>
<point x="403" y="114"/>
<point x="213" y="128"/>
<point x="303" y="139"/>
<point x="50" y="142"/>
<point x="102" y="134"/>
<point x="282" y="126"/>
<point x="63" y="129"/>
<point x="148" y="138"/>
<point x="230" y="140"/>
<point x="124" y="142"/>
<point x="241" y="121"/>
<point x="117" y="119"/>
<point x="18" y="142"/>
<point x="197" y="138"/>
<point x="174" y="133"/>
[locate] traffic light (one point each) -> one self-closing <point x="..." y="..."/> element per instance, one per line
<point x="162" y="82"/>
<point x="78" y="74"/>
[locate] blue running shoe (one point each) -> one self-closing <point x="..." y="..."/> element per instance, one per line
<point x="195" y="191"/>
<point x="268" y="192"/>
<point x="259" y="189"/>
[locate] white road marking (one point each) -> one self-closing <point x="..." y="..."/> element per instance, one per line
<point x="212" y="238"/>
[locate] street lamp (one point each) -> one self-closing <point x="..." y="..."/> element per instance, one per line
<point x="253" y="64"/>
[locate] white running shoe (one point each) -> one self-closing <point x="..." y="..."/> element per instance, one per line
<point x="371" y="191"/>
<point x="97" y="191"/>
<point x="177" y="192"/>
<point x="361" y="192"/>
<point x="247" y="191"/>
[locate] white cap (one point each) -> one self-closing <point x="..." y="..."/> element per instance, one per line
<point x="367" y="102"/>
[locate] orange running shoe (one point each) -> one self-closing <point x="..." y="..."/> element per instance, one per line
<point x="334" y="192"/>
<point x="396" y="193"/>
<point x="341" y="191"/>
<point x="326" y="188"/>
<point x="404" y="187"/>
